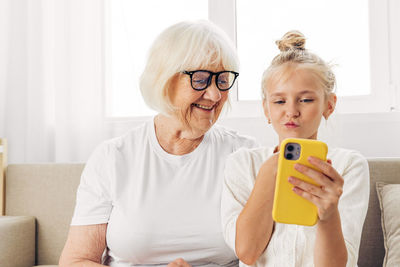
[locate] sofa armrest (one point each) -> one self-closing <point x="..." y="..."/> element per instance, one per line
<point x="17" y="241"/>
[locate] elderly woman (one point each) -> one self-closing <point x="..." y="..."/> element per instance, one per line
<point x="152" y="196"/>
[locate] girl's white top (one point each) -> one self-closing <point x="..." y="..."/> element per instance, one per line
<point x="158" y="206"/>
<point x="293" y="245"/>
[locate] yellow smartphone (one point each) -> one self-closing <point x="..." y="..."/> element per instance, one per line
<point x="289" y="207"/>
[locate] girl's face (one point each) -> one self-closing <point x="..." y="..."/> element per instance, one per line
<point x="296" y="105"/>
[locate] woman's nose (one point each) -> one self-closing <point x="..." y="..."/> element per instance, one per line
<point x="212" y="92"/>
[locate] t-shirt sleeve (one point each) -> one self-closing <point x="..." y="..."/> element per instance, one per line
<point x="93" y="200"/>
<point x="353" y="204"/>
<point x="235" y="192"/>
<point x="246" y="142"/>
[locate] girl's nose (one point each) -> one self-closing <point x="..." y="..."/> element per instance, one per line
<point x="292" y="111"/>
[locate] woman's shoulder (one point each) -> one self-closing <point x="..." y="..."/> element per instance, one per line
<point x="129" y="139"/>
<point x="137" y="133"/>
<point x="222" y="134"/>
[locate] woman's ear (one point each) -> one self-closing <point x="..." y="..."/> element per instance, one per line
<point x="330" y="105"/>
<point x="266" y="111"/>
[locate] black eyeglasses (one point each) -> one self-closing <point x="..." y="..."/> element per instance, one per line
<point x="201" y="79"/>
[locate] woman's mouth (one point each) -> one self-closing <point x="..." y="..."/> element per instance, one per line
<point x="203" y="107"/>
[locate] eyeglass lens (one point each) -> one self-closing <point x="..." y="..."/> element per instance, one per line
<point x="201" y="79"/>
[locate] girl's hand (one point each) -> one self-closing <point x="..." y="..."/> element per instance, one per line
<point x="326" y="196"/>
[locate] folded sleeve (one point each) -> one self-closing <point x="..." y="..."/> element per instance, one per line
<point x="93" y="200"/>
<point x="235" y="193"/>
<point x="353" y="203"/>
<point x="245" y="142"/>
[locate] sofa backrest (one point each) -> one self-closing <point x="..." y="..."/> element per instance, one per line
<point x="47" y="192"/>
<point x="372" y="250"/>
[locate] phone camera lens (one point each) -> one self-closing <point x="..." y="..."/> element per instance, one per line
<point x="290" y="148"/>
<point x="289" y="156"/>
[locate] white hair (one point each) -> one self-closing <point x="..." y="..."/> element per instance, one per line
<point x="188" y="45"/>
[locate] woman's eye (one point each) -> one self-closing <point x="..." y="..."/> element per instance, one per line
<point x="200" y="81"/>
<point x="279" y="102"/>
<point x="307" y="100"/>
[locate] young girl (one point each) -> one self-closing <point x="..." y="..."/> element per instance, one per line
<point x="297" y="92"/>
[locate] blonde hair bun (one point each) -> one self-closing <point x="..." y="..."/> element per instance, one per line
<point x="292" y="40"/>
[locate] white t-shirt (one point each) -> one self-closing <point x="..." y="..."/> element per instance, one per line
<point x="158" y="206"/>
<point x="293" y="245"/>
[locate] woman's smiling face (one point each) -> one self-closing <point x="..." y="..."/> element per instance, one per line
<point x="199" y="109"/>
<point x="296" y="104"/>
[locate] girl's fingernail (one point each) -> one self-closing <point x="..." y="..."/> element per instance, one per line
<point x="298" y="167"/>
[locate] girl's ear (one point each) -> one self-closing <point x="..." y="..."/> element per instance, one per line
<point x="330" y="105"/>
<point x="266" y="111"/>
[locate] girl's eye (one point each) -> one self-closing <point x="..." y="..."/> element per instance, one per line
<point x="307" y="100"/>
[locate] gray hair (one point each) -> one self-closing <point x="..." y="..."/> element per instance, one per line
<point x="183" y="46"/>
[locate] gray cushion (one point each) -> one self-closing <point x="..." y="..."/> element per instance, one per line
<point x="389" y="200"/>
<point x="372" y="250"/>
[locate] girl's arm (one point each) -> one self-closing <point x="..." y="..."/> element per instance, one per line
<point x="330" y="248"/>
<point x="254" y="225"/>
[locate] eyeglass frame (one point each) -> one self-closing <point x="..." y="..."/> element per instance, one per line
<point x="190" y="73"/>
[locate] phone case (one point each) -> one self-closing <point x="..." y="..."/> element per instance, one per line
<point x="289" y="207"/>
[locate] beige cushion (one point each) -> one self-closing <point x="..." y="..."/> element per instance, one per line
<point x="389" y="200"/>
<point x="47" y="192"/>
<point x="17" y="241"/>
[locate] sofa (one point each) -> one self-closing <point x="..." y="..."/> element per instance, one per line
<point x="42" y="197"/>
<point x="39" y="202"/>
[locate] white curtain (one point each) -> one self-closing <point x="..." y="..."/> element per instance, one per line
<point x="51" y="79"/>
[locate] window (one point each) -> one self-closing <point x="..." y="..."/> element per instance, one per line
<point x="379" y="89"/>
<point x="131" y="27"/>
<point x="331" y="30"/>
<point x="357" y="36"/>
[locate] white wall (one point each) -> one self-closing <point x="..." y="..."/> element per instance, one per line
<point x="373" y="134"/>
